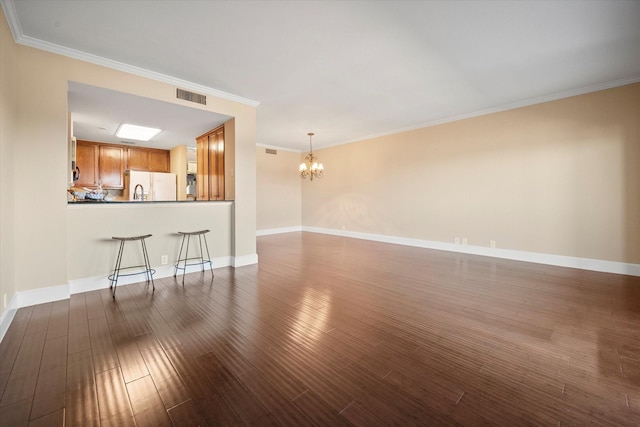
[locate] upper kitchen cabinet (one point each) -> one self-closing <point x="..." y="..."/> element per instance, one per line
<point x="148" y="159"/>
<point x="87" y="162"/>
<point x="159" y="160"/>
<point x="100" y="164"/>
<point x="210" y="169"/>
<point x="111" y="167"/>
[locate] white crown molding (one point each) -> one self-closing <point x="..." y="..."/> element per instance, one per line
<point x="20" y="38"/>
<point x="497" y="109"/>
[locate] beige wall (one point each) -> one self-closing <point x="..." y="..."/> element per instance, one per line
<point x="37" y="147"/>
<point x="559" y="178"/>
<point x="8" y="134"/>
<point x="278" y="189"/>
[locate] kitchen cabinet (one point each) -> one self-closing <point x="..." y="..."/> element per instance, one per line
<point x="100" y="164"/>
<point x="210" y="165"/>
<point x="87" y="162"/>
<point x="147" y="159"/>
<point x="111" y="167"/>
<point x="159" y="160"/>
<point x="137" y="159"/>
<point x="105" y="163"/>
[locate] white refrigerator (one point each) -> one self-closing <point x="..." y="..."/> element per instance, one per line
<point x="156" y="186"/>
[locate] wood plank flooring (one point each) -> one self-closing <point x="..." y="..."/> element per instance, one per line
<point x="334" y="331"/>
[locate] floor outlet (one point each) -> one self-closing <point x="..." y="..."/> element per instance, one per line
<point x="165" y="259"/>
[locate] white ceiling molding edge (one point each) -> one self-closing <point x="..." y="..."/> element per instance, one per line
<point x="497" y="109"/>
<point x="20" y="38"/>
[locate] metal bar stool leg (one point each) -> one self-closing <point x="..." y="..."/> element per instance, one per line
<point x="208" y="256"/>
<point x="201" y="255"/>
<point x="116" y="270"/>
<point x="147" y="264"/>
<point x="186" y="257"/>
<point x="175" y="271"/>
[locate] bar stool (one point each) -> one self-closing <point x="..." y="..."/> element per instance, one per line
<point x="186" y="235"/>
<point x="148" y="271"/>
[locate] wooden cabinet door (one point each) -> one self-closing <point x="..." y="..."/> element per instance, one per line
<point x="159" y="161"/>
<point x="210" y="170"/>
<point x="87" y="162"/>
<point x="202" y="174"/>
<point x="137" y="159"/>
<point x="216" y="165"/>
<point x="111" y="166"/>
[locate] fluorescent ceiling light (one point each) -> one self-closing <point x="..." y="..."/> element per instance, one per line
<point x="137" y="133"/>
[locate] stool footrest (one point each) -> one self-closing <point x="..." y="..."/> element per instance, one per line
<point x="112" y="276"/>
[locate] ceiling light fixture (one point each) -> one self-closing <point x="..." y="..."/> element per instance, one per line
<point x="137" y="133"/>
<point x="311" y="167"/>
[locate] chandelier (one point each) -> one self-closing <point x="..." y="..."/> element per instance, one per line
<point x="310" y="167"/>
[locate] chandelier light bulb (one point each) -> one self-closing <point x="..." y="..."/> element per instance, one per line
<point x="311" y="167"/>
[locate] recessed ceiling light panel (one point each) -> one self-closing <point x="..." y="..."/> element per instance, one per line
<point x="137" y="133"/>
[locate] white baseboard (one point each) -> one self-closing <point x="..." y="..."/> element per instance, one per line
<point x="269" y="231"/>
<point x="42" y="295"/>
<point x="534" y="257"/>
<point x="241" y="261"/>
<point x="7" y="315"/>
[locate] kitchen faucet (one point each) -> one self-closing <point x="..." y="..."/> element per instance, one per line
<point x="137" y="196"/>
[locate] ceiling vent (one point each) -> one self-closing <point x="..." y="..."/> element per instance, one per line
<point x="270" y="151"/>
<point x="191" y="96"/>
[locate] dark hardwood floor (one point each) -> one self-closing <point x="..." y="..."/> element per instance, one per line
<point x="334" y="331"/>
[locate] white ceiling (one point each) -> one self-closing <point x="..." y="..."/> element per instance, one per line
<point x="348" y="70"/>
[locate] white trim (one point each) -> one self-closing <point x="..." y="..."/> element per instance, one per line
<point x="243" y="260"/>
<point x="534" y="257"/>
<point x="7" y="316"/>
<point x="269" y="231"/>
<point x="42" y="295"/>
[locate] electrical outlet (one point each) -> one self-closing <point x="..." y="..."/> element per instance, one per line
<point x="492" y="243"/>
<point x="165" y="259"/>
<point x="464" y="240"/>
<point x="457" y="240"/>
<point x="4" y="300"/>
